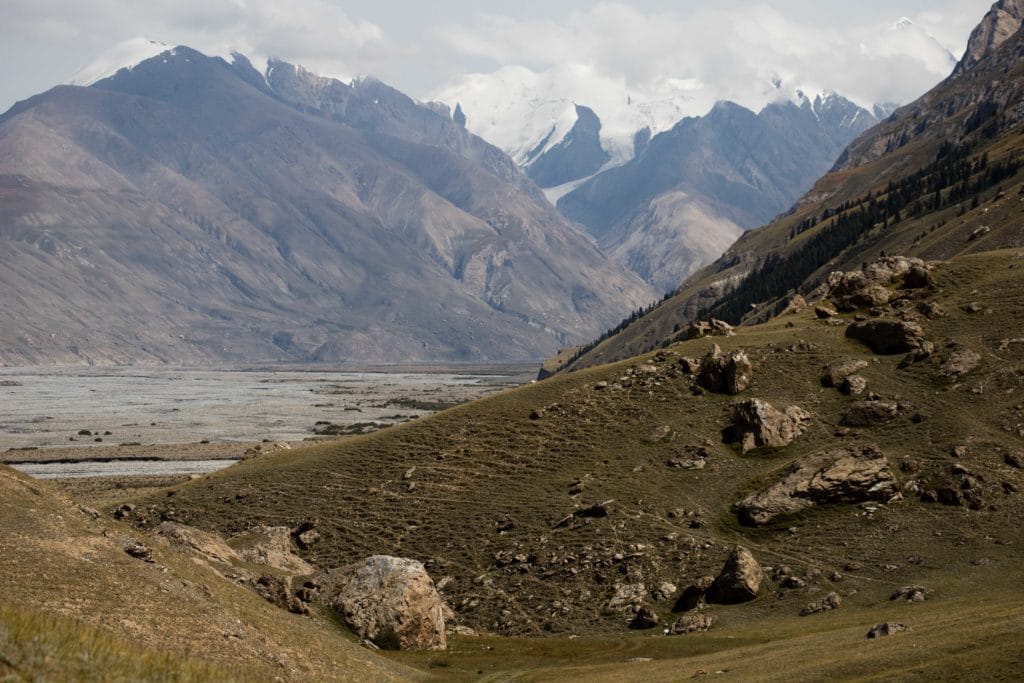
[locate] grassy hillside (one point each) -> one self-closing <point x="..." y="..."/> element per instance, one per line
<point x="76" y="606"/>
<point x="469" y="489"/>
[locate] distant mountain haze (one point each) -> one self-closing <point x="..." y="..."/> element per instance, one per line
<point x="193" y="209"/>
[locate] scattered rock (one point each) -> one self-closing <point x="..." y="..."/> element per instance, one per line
<point x="659" y="434"/>
<point x="886" y="629"/>
<point x="854" y="385"/>
<point x="627" y="596"/>
<point x="911" y="594"/>
<point x="931" y="310"/>
<point x="887" y="337"/>
<point x="756" y="424"/>
<point x="918" y="277"/>
<point x="1014" y="460"/>
<point x="138" y="550"/>
<point x="961" y="361"/>
<point x="709" y="328"/>
<point x="277" y="591"/>
<point x="972" y="308"/>
<point x="739" y="580"/>
<point x="645" y="618"/>
<point x="124" y="510"/>
<point x="270" y="546"/>
<point x="207" y="545"/>
<point x="829" y="602"/>
<point x="725" y="373"/>
<point x="663" y="592"/>
<point x="835" y="373"/>
<point x="390" y="601"/>
<point x="694" y="595"/>
<point x="840" y="475"/>
<point x="824" y="312"/>
<point x="869" y="414"/>
<point x="693" y="623"/>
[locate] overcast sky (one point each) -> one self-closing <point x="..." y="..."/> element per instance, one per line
<point x="418" y="46"/>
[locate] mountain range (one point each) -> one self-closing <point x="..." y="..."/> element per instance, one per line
<point x="190" y="208"/>
<point x="925" y="182"/>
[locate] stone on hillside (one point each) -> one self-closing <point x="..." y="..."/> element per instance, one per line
<point x="886" y="629"/>
<point x="390" y="601"/>
<point x="869" y="414"/>
<point x="854" y="385"/>
<point x="693" y="623"/>
<point x="851" y="291"/>
<point x="835" y="373"/>
<point x="911" y="594"/>
<point x="277" y="591"/>
<point x="824" y="312"/>
<point x="627" y="596"/>
<point x="208" y="545"/>
<point x="707" y="328"/>
<point x="739" y="580"/>
<point x="931" y="310"/>
<point x="271" y="546"/>
<point x="694" y="595"/>
<point x="887" y="337"/>
<point x="829" y="602"/>
<point x="840" y="475"/>
<point x="961" y="361"/>
<point x="918" y="277"/>
<point x="645" y="618"/>
<point x="659" y="434"/>
<point x="725" y="373"/>
<point x="756" y="424"/>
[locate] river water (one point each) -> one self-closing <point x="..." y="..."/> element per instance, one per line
<point x="46" y="408"/>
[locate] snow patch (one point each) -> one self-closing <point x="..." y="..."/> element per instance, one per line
<point x="124" y="55"/>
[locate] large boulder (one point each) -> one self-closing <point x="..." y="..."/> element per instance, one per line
<point x="708" y="328"/>
<point x="869" y="413"/>
<point x="725" y="373"/>
<point x="835" y="373"/>
<point x="739" y="580"/>
<point x="757" y="424"/>
<point x="850" y="291"/>
<point x="887" y="337"/>
<point x="390" y="601"/>
<point x="841" y="475"/>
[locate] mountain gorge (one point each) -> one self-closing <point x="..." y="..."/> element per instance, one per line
<point x="191" y="209"/>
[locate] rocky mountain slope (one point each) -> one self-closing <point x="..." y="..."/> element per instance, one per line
<point x="599" y="499"/>
<point x="192" y="209"/>
<point x="692" y="190"/>
<point x="939" y="177"/>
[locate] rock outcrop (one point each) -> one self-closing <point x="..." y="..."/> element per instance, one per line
<point x="887" y="337"/>
<point x="693" y="623"/>
<point x="270" y="546"/>
<point x="874" y="285"/>
<point x="869" y="414"/>
<point x="390" y="601"/>
<point x="840" y="475"/>
<point x="206" y="545"/>
<point x="835" y="373"/>
<point x="757" y="424"/>
<point x="739" y="580"/>
<point x="886" y="629"/>
<point x="725" y="373"/>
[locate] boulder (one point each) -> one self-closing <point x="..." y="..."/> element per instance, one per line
<point x="694" y="595"/>
<point x="645" y="618"/>
<point x="835" y="373"/>
<point x="841" y="475"/>
<point x="270" y="546"/>
<point x="854" y="385"/>
<point x="850" y="291"/>
<point x="886" y="629"/>
<point x="829" y="602"/>
<point x="961" y="360"/>
<point x="869" y="414"/>
<point x="708" y="328"/>
<point x="918" y="277"/>
<point x="887" y="337"/>
<point x="208" y="546"/>
<point x="757" y="424"/>
<point x="627" y="596"/>
<point x="739" y="580"/>
<point x="725" y="373"/>
<point x="390" y="601"/>
<point x="693" y="623"/>
<point x="911" y="593"/>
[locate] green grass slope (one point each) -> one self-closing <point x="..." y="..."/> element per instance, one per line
<point x="476" y="492"/>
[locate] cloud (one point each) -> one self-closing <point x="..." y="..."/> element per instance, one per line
<point x="735" y="50"/>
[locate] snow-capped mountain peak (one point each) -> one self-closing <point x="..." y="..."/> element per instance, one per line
<point x="124" y="55"/>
